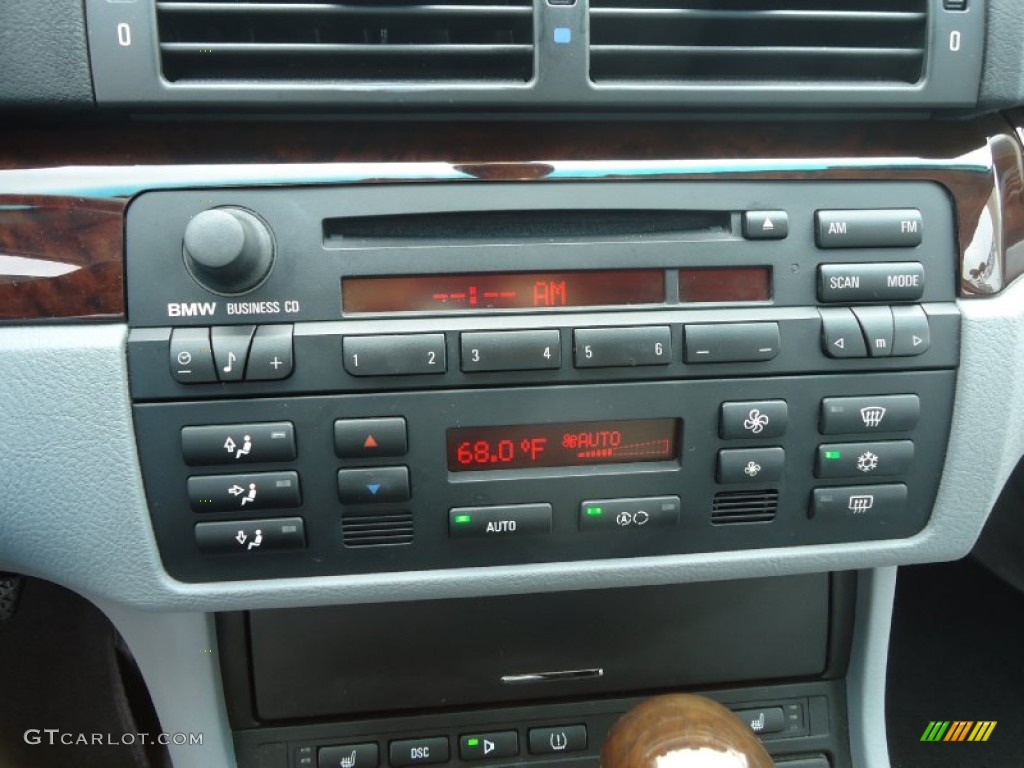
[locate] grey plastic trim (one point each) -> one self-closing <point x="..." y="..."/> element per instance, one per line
<point x="865" y="682"/>
<point x="74" y="511"/>
<point x="177" y="655"/>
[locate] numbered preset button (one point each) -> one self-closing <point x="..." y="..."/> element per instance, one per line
<point x="422" y="353"/>
<point x="511" y="350"/>
<point x="622" y="347"/>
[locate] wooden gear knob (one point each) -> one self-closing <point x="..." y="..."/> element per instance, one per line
<point x="682" y="731"/>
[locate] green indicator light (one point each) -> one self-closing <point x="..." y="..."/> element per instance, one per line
<point x="833" y="454"/>
<point x="473" y="742"/>
<point x="594" y="511"/>
<point x="463" y="519"/>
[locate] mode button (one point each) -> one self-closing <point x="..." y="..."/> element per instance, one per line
<point x="875" y="282"/>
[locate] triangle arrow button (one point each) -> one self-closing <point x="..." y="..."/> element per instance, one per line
<point x="840" y="343"/>
<point x="373" y="488"/>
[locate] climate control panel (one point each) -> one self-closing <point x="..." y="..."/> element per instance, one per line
<point x="365" y="379"/>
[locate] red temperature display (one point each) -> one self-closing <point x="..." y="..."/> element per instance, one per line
<point x="502" y="290"/>
<point x="570" y="444"/>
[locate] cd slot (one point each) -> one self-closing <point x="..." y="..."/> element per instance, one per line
<point x="517" y="226"/>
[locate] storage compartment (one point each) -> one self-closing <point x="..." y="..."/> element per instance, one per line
<point x="315" y="662"/>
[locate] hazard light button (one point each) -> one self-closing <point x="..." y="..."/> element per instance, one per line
<point x="370" y="438"/>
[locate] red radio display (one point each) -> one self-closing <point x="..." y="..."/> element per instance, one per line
<point x="502" y="290"/>
<point x="570" y="444"/>
<point x="725" y="284"/>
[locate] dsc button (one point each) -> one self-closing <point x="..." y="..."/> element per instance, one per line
<point x="419" y="751"/>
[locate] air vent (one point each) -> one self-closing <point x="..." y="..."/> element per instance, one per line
<point x="381" y="41"/>
<point x="744" y="507"/>
<point x="758" y="41"/>
<point x="377" y="530"/>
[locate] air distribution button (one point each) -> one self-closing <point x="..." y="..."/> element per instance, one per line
<point x="228" y="250"/>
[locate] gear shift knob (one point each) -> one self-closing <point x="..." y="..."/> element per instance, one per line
<point x="682" y="731"/>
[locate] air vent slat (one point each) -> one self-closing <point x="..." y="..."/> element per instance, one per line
<point x="695" y="14"/>
<point x="731" y="50"/>
<point x="377" y="530"/>
<point x="288" y="49"/>
<point x="383" y="42"/>
<point x="736" y="507"/>
<point x="729" y="42"/>
<point x="348" y="10"/>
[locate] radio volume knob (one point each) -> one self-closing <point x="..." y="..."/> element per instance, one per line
<point x="228" y="250"/>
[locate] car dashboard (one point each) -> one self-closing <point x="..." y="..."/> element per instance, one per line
<point x="397" y="416"/>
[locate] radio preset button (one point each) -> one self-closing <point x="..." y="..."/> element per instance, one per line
<point x="511" y="350"/>
<point x="370" y="438"/>
<point x="374" y="485"/>
<point x="842" y="335"/>
<point x="859" y="500"/>
<point x="250" y="536"/>
<point x="883" y="459"/>
<point x="231" y="350"/>
<point x="880" y="413"/>
<point x="765" y="225"/>
<point x="192" y="356"/>
<point x="751" y="465"/>
<point x="754" y="420"/>
<point x="422" y="353"/>
<point x="630" y="514"/>
<point x="895" y="228"/>
<point x="233" y="493"/>
<point x="499" y="521"/>
<point x="238" y="443"/>
<point x="875" y="282"/>
<point x="270" y="356"/>
<point x="732" y="342"/>
<point x="876" y="322"/>
<point x="622" y="347"/>
<point x="912" y="333"/>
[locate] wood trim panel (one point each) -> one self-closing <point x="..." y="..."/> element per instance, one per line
<point x="61" y="257"/>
